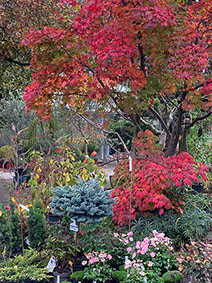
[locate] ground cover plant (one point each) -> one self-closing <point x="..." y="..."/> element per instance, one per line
<point x="30" y="266"/>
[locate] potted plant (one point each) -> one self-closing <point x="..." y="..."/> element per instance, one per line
<point x="61" y="244"/>
<point x="36" y="225"/>
<point x="148" y="259"/>
<point x="29" y="267"/>
<point x="97" y="268"/>
<point x="84" y="202"/>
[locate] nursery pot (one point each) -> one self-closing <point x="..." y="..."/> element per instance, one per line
<point x="53" y="218"/>
<point x="78" y="267"/>
<point x="21" y="176"/>
<point x="60" y="277"/>
<point x="198" y="188"/>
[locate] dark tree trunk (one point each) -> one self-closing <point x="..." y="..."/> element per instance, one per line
<point x="175" y="135"/>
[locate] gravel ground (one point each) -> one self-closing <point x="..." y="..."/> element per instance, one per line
<point x="6" y="178"/>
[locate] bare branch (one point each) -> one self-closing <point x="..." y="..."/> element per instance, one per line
<point x="10" y="60"/>
<point x="150" y="126"/>
<point x="97" y="126"/>
<point x="158" y="116"/>
<point x="199" y="119"/>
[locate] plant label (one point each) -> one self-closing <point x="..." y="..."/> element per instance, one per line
<point x="24" y="207"/>
<point x="130" y="163"/>
<point x="27" y="241"/>
<point x="73" y="226"/>
<point x="51" y="264"/>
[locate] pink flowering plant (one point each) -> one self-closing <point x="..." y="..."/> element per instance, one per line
<point x="97" y="266"/>
<point x="148" y="259"/>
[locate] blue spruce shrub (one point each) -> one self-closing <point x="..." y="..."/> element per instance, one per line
<point x="85" y="202"/>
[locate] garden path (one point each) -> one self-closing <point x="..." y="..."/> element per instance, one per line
<point x="6" y="178"/>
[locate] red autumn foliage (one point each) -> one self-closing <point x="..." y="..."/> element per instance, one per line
<point x="154" y="179"/>
<point x="114" y="42"/>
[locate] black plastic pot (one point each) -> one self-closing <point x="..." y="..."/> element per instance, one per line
<point x="62" y="276"/>
<point x="21" y="176"/>
<point x="198" y="188"/>
<point x="53" y="218"/>
<point x="78" y="267"/>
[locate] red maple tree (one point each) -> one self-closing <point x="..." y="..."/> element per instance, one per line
<point x="152" y="185"/>
<point x="126" y="53"/>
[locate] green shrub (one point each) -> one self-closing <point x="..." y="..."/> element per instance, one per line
<point x="6" y="153"/>
<point x="119" y="275"/>
<point x="5" y="234"/>
<point x="36" y="224"/>
<point x="30" y="266"/>
<point x="85" y="201"/>
<point x="16" y="242"/>
<point x="172" y="276"/>
<point x="78" y="275"/>
<point x="193" y="223"/>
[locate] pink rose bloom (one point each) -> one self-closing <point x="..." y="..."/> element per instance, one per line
<point x="143" y="252"/>
<point x="152" y="254"/>
<point x="138" y="245"/>
<point x="131" y="239"/>
<point x="109" y="256"/>
<point x="129" y="233"/>
<point x="153" y="243"/>
<point x="126" y="241"/>
<point x="96" y="259"/>
<point x="84" y="262"/>
<point x="150" y="263"/>
<point x="102" y="259"/>
<point x="91" y="260"/>
<point x="129" y="249"/>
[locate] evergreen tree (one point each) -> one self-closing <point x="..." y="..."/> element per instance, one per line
<point x="4" y="228"/>
<point x="85" y="201"/>
<point x="36" y="226"/>
<point x="16" y="243"/>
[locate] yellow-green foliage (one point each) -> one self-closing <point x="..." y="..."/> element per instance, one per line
<point x="29" y="266"/>
<point x="6" y="153"/>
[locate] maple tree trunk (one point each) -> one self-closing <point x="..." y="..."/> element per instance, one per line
<point x="173" y="141"/>
<point x="185" y="133"/>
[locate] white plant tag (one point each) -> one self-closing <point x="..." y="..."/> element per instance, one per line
<point x="24" y="207"/>
<point x="27" y="241"/>
<point x="130" y="163"/>
<point x="73" y="226"/>
<point x="51" y="264"/>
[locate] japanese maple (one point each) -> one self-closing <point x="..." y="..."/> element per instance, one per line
<point x="127" y="53"/>
<point x="154" y="179"/>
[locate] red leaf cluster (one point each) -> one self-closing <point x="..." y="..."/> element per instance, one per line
<point x="153" y="184"/>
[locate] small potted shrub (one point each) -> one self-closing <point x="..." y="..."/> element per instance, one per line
<point x="36" y="224"/>
<point x="30" y="267"/>
<point x="148" y="259"/>
<point x="84" y="202"/>
<point x="61" y="244"/>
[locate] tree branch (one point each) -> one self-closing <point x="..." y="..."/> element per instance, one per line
<point x="10" y="60"/>
<point x="158" y="116"/>
<point x="199" y="119"/>
<point x="150" y="126"/>
<point x="97" y="126"/>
